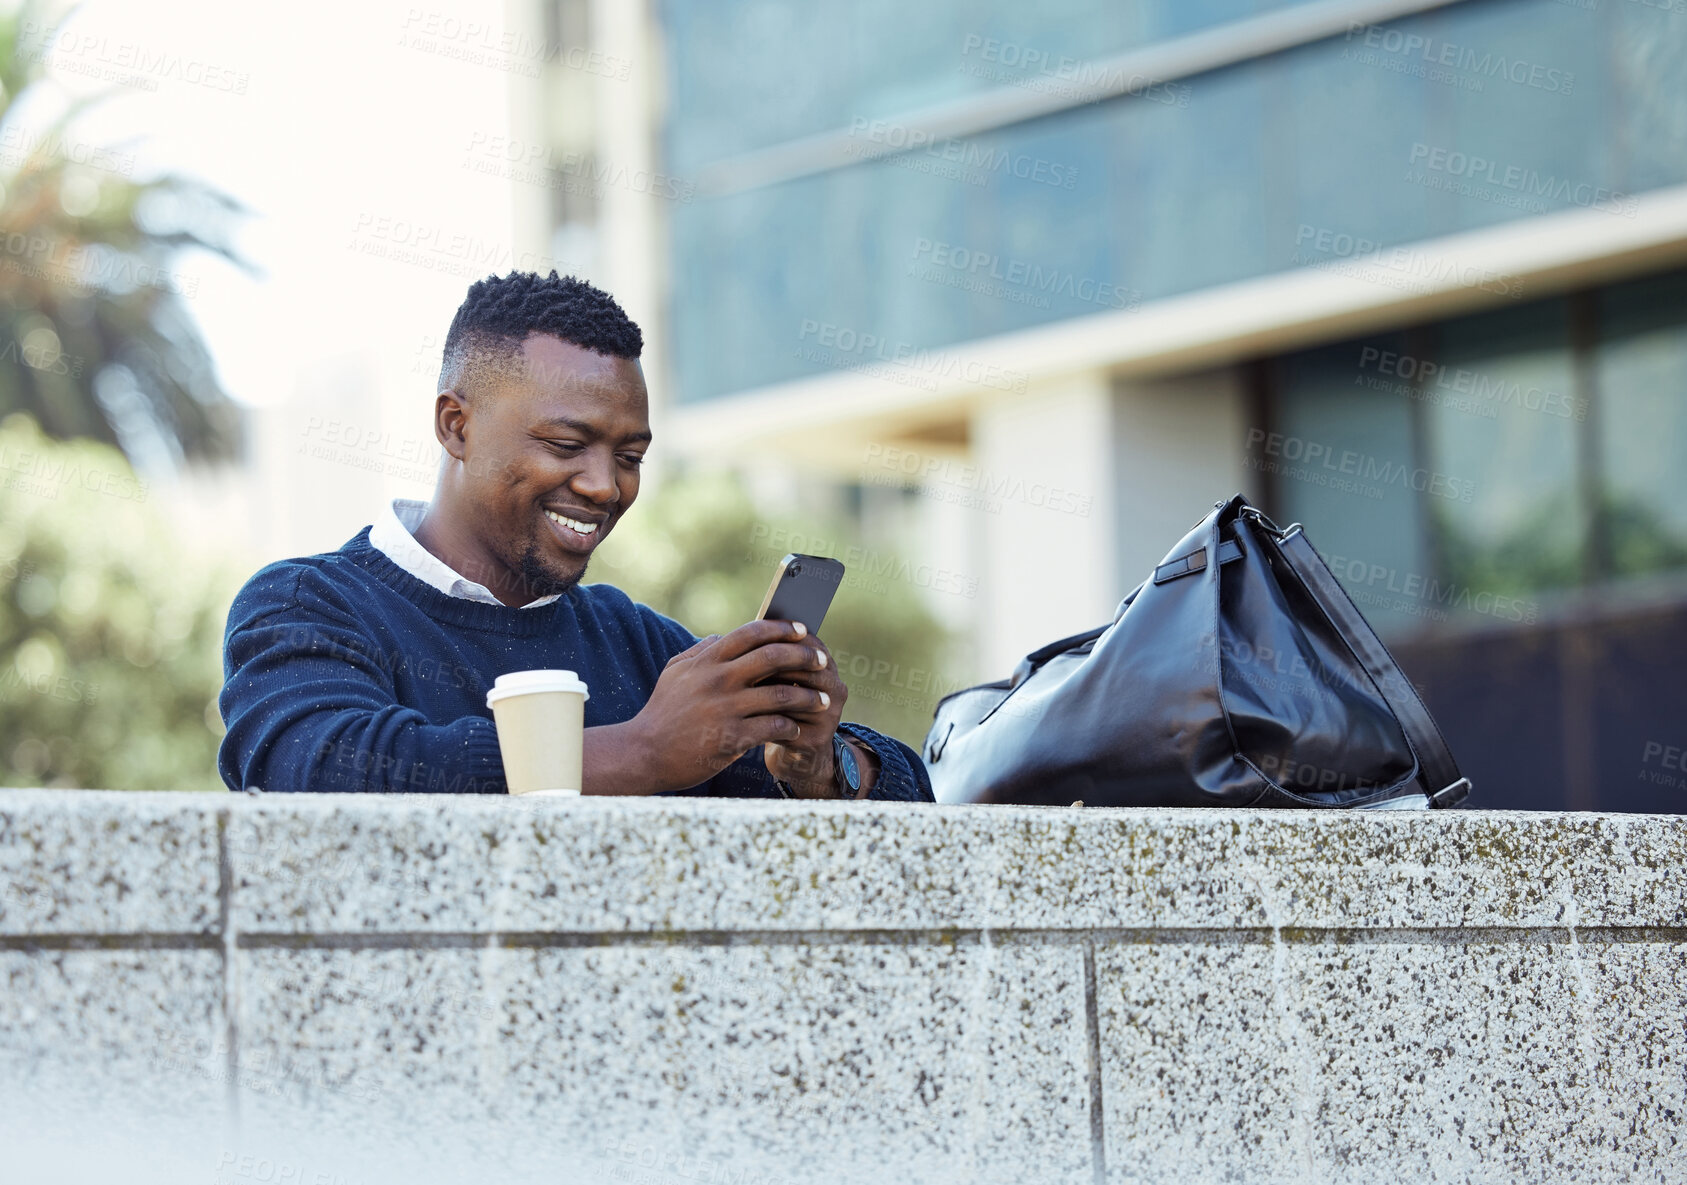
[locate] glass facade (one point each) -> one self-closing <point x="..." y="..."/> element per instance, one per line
<point x="1641" y="451"/>
<point x="1505" y="497"/>
<point x="883" y="58"/>
<point x="1464" y="117"/>
<point x="1494" y="463"/>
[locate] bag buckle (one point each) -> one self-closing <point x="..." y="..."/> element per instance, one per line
<point x="1259" y="517"/>
<point x="1450" y="796"/>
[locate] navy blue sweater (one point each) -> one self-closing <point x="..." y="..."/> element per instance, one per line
<point x="344" y="672"/>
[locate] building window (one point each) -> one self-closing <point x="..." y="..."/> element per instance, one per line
<point x="1524" y="454"/>
<point x="1640" y="374"/>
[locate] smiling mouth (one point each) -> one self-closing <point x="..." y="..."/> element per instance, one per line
<point x="582" y="529"/>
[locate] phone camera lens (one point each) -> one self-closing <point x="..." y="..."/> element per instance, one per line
<point x="794" y="570"/>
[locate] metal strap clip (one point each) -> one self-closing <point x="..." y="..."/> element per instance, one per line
<point x="1450" y="796"/>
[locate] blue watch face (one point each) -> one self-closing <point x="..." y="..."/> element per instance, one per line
<point x="845" y="758"/>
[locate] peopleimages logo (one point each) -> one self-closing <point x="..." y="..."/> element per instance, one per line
<point x="533" y="163"/>
<point x="1265" y="668"/>
<point x="1665" y="758"/>
<point x="1426" y="375"/>
<point x="272" y="1171"/>
<point x="1524" y="182"/>
<point x="18" y="144"/>
<point x="1430" y="52"/>
<point x="1072" y="78"/>
<point x="840" y="345"/>
<point x="91" y="265"/>
<point x="1368" y="582"/>
<point x="510" y="52"/>
<point x="888" y="465"/>
<point x="124" y="62"/>
<point x="861" y="565"/>
<point x="41" y="354"/>
<point x="440" y="249"/>
<point x="1318" y="461"/>
<point x="53" y="472"/>
<point x="1354" y="254"/>
<point x="900" y="138"/>
<point x="47" y="685"/>
<point x="1031" y="282"/>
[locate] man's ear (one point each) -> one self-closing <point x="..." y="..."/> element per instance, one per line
<point x="450" y="422"/>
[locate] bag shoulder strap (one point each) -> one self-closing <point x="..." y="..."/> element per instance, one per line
<point x="1439" y="773"/>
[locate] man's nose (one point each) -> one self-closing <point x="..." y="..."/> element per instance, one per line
<point x="595" y="479"/>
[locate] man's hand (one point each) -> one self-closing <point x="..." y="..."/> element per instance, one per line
<point x="715" y="702"/>
<point x="806" y="762"/>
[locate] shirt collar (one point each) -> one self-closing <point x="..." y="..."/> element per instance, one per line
<point x="394" y="536"/>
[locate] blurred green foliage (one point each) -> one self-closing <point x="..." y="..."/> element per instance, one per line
<point x="110" y="625"/>
<point x="95" y="340"/>
<point x="697" y="551"/>
<point x="1551" y="547"/>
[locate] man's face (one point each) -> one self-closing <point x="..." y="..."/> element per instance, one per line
<point x="551" y="458"/>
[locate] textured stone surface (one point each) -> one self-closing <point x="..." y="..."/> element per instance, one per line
<point x="1365" y="1060"/>
<point x="796" y="1061"/>
<point x="592" y="865"/>
<point x="1165" y="1012"/>
<point x="111" y="1062"/>
<point x="339" y="864"/>
<point x="419" y="990"/>
<point x="73" y="862"/>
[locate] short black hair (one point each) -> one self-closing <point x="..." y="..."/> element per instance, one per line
<point x="500" y="312"/>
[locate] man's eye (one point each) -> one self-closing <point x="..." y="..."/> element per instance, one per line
<point x="633" y="459"/>
<point x="566" y="447"/>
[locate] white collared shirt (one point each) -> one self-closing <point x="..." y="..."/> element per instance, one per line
<point x="394" y="536"/>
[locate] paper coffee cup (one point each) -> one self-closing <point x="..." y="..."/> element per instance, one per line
<point x="540" y="717"/>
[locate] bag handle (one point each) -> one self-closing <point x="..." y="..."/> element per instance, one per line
<point x="1441" y="781"/>
<point x="1042" y="654"/>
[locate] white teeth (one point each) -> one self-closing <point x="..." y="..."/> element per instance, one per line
<point x="579" y="528"/>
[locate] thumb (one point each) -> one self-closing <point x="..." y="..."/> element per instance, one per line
<point x="696" y="648"/>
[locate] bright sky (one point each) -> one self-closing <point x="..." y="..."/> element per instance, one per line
<point x="341" y="127"/>
<point x="346" y="129"/>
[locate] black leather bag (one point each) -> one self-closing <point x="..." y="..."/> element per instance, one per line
<point x="1251" y="682"/>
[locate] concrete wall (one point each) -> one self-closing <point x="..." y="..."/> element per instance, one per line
<point x="1045" y="545"/>
<point x="211" y="989"/>
<point x="1178" y="447"/>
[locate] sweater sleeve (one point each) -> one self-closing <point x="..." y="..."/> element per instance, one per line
<point x="902" y="773"/>
<point x="310" y="704"/>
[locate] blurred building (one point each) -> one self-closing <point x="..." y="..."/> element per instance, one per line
<point x="1028" y="288"/>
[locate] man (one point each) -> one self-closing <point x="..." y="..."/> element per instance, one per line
<point x="367" y="668"/>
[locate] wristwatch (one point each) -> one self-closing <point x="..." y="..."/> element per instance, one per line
<point x="846" y="772"/>
<point x="845" y="769"/>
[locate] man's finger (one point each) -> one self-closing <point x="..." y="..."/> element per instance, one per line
<point x="754" y="634"/>
<point x="771" y="730"/>
<point x="785" y="699"/>
<point x="827" y="680"/>
<point x="696" y="648"/>
<point x="773" y="662"/>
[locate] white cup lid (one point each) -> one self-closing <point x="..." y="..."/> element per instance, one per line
<point x="528" y="682"/>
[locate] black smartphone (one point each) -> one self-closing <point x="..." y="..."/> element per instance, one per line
<point x="802" y="590"/>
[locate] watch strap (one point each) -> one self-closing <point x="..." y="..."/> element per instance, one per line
<point x="845" y="790"/>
